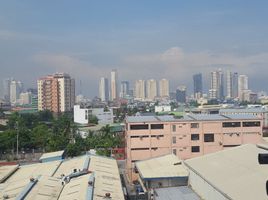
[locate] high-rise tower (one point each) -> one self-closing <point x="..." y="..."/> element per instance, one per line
<point x="114" y="84"/>
<point x="140" y="89"/>
<point x="103" y="89"/>
<point x="164" y="88"/>
<point x="151" y="89"/>
<point x="198" y="85"/>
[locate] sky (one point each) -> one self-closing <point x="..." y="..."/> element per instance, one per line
<point x="171" y="39"/>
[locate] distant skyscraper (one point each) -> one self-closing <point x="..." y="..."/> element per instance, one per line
<point x="140" y="89"/>
<point x="229" y="85"/>
<point x="151" y="89"/>
<point x="16" y="87"/>
<point x="216" y="85"/>
<point x="198" y="85"/>
<point x="114" y="84"/>
<point x="6" y="89"/>
<point x="242" y="86"/>
<point x="235" y="85"/>
<point x="124" y="89"/>
<point x="163" y="88"/>
<point x="103" y="89"/>
<point x="181" y="94"/>
<point x="56" y="93"/>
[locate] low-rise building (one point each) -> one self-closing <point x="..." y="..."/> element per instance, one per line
<point x="104" y="115"/>
<point x="232" y="174"/>
<point x="188" y="137"/>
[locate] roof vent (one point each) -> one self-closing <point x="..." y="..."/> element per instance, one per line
<point x="32" y="179"/>
<point x="90" y="183"/>
<point x="5" y="196"/>
<point x="108" y="195"/>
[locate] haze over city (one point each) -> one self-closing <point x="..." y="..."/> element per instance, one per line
<point x="141" y="39"/>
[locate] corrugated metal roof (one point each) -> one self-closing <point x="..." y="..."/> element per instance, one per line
<point x="174" y="193"/>
<point x="243" y="110"/>
<point x="168" y="166"/>
<point x="141" y="119"/>
<point x="34" y="170"/>
<point x="51" y="155"/>
<point x="242" y="116"/>
<point x="235" y="172"/>
<point x="207" y="117"/>
<point x="107" y="178"/>
<point x="6" y="171"/>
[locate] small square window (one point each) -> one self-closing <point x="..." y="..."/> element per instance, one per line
<point x="174" y="128"/>
<point x="209" y="137"/>
<point x="194" y="137"/>
<point x="174" y="139"/>
<point x="195" y="149"/>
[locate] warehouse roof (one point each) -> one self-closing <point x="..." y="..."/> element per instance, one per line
<point x="34" y="170"/>
<point x="107" y="178"/>
<point x="172" y="193"/>
<point x="6" y="171"/>
<point x="168" y="166"/>
<point x="235" y="172"/>
<point x="51" y="155"/>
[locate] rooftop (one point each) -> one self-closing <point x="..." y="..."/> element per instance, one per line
<point x="51" y="155"/>
<point x="168" y="166"/>
<point x="234" y="172"/>
<point x="172" y="193"/>
<point x="6" y="171"/>
<point x="190" y="117"/>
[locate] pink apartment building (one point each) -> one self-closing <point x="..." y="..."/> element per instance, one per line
<point x="193" y="135"/>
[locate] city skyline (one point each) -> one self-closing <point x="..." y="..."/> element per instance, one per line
<point x="173" y="40"/>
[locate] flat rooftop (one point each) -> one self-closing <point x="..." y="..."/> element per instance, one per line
<point x="234" y="172"/>
<point x="6" y="171"/>
<point x="190" y="117"/>
<point x="174" y="193"/>
<point x="168" y="166"/>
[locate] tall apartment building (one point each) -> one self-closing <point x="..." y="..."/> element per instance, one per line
<point x="56" y="93"/>
<point x="103" y="89"/>
<point x="16" y="87"/>
<point x="114" y="86"/>
<point x="124" y="89"/>
<point x="216" y="85"/>
<point x="192" y="136"/>
<point x="6" y="89"/>
<point x="235" y="85"/>
<point x="229" y="85"/>
<point x="242" y="86"/>
<point x="140" y="89"/>
<point x="198" y="86"/>
<point x="164" y="88"/>
<point x="151" y="89"/>
<point x="181" y="94"/>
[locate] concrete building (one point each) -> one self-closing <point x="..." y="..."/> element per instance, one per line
<point x="163" y="171"/>
<point x="124" y="92"/>
<point x="232" y="174"/>
<point x="81" y="115"/>
<point x="188" y="137"/>
<point x="25" y="98"/>
<point x="164" y="88"/>
<point x="198" y="85"/>
<point x="56" y="93"/>
<point x="151" y="89"/>
<point x="140" y="89"/>
<point x="103" y="89"/>
<point x="181" y="94"/>
<point x="16" y="87"/>
<point x="216" y="85"/>
<point x="235" y="85"/>
<point x="242" y="86"/>
<point x="6" y="89"/>
<point x="229" y="85"/>
<point x="114" y="84"/>
<point x="162" y="108"/>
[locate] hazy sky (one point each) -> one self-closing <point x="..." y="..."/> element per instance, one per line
<point x="145" y="39"/>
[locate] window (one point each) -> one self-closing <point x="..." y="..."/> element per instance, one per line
<point x="194" y="125"/>
<point x="209" y="137"/>
<point x="157" y="136"/>
<point x="195" y="149"/>
<point x="139" y="136"/>
<point x="174" y="128"/>
<point x="157" y="126"/>
<point x="195" y="137"/>
<point x="251" y="124"/>
<point x="139" y="127"/>
<point x="174" y="139"/>
<point x="139" y="149"/>
<point x="174" y="151"/>
<point x="231" y="124"/>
